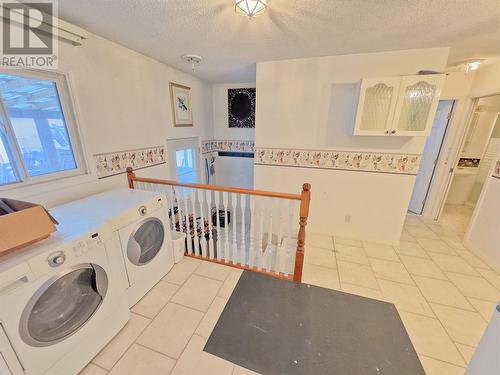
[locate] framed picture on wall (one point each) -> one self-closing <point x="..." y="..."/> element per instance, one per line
<point x="180" y="100"/>
<point x="241" y="107"/>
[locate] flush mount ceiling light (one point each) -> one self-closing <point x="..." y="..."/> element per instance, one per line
<point x="194" y="60"/>
<point x="472" y="65"/>
<point x="250" y="8"/>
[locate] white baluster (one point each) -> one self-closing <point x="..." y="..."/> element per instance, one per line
<point x="260" y="211"/>
<point x="269" y="249"/>
<point x="185" y="196"/>
<point x="243" y="249"/>
<point x="291" y="243"/>
<point x="201" y="200"/>
<point x="251" y="250"/>
<point x="217" y="220"/>
<point x="226" y="227"/>
<point x="281" y="251"/>
<point x="196" y="239"/>
<point x="234" y="207"/>
<point x="211" y="244"/>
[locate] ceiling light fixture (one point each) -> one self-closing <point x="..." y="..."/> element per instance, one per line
<point x="250" y="8"/>
<point x="194" y="60"/>
<point x="472" y="65"/>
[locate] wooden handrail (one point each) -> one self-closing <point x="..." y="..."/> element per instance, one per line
<point x="132" y="177"/>
<point x="301" y="239"/>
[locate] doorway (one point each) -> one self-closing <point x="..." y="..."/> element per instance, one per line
<point x="183" y="156"/>
<point x="478" y="151"/>
<point x="430" y="156"/>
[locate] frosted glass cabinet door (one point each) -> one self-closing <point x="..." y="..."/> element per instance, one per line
<point x="417" y="103"/>
<point x="377" y="100"/>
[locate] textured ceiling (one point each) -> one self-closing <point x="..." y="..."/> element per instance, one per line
<point x="231" y="44"/>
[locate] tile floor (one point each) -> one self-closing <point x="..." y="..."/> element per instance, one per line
<point x="444" y="294"/>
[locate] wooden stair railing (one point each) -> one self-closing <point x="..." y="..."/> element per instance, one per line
<point x="210" y="236"/>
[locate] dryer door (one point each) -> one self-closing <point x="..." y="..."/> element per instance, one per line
<point x="63" y="304"/>
<point x="146" y="241"/>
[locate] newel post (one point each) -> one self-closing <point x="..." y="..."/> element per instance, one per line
<point x="130" y="177"/>
<point x="305" y="198"/>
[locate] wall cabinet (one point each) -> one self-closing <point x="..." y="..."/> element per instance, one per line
<point x="398" y="106"/>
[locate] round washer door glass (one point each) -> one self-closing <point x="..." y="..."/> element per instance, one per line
<point x="63" y="304"/>
<point x="146" y="241"/>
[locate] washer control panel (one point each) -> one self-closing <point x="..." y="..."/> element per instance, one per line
<point x="56" y="259"/>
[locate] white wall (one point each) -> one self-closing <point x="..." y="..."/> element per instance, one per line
<point x="310" y="104"/>
<point x="123" y="102"/>
<point x="230" y="171"/>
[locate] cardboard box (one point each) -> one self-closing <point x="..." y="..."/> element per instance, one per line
<point x="23" y="223"/>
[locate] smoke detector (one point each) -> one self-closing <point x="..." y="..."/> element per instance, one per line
<point x="194" y="60"/>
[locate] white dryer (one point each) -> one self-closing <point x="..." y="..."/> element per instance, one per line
<point x="140" y="222"/>
<point x="60" y="303"/>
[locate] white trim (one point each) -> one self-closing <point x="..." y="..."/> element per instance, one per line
<point x="64" y="93"/>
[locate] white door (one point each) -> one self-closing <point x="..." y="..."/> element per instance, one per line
<point x="430" y="156"/>
<point x="184" y="159"/>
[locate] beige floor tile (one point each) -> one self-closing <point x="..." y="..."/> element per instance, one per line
<point x="434" y="367"/>
<point x="213" y="270"/>
<point x="435" y="245"/>
<point x="454" y="242"/>
<point x="413" y="220"/>
<point x="320" y="240"/>
<point x="466" y="351"/>
<point x="405" y="297"/>
<point x="411" y="248"/>
<point x="363" y="292"/>
<point x="357" y="274"/>
<point x="92" y="369"/>
<point x="171" y="330"/>
<point x="211" y="317"/>
<point x="198" y="292"/>
<point x="152" y="303"/>
<point x="422" y="267"/>
<point x="443" y="292"/>
<point x="346" y="241"/>
<point x="380" y="251"/>
<point x="139" y="360"/>
<point x="121" y="342"/>
<point x="430" y="339"/>
<point x="475" y="287"/>
<point x="394" y="271"/>
<point x="320" y="276"/>
<point x="452" y="263"/>
<point x="421" y="232"/>
<point x="238" y="370"/>
<point x="472" y="259"/>
<point x="320" y="257"/>
<point x="230" y="283"/>
<point x="194" y="361"/>
<point x="351" y="254"/>
<point x="406" y="236"/>
<point x="181" y="271"/>
<point x="465" y="327"/>
<point x="492" y="276"/>
<point x="485" y="308"/>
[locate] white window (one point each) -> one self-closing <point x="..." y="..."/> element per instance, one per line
<point x="38" y="136"/>
<point x="183" y="159"/>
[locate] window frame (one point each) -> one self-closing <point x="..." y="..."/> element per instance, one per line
<point x="63" y="87"/>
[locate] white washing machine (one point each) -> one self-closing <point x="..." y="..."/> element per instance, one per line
<point x="60" y="304"/>
<point x="141" y="225"/>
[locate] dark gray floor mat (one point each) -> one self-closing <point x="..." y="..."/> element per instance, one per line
<point x="274" y="326"/>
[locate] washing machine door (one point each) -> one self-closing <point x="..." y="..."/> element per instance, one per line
<point x="146" y="241"/>
<point x="63" y="304"/>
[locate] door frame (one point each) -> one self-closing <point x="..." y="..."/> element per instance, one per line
<point x="440" y="186"/>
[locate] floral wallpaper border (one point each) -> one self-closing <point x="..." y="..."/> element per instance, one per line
<point x="113" y="163"/>
<point x="215" y="145"/>
<point x="341" y="160"/>
<point x="496" y="170"/>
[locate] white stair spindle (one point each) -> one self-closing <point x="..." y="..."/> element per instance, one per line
<point x="200" y="194"/>
<point x="196" y="239"/>
<point x="234" y="208"/>
<point x="226" y="227"/>
<point x="185" y="196"/>
<point x="269" y="249"/>
<point x="251" y="250"/>
<point x="219" y="231"/>
<point x="211" y="244"/>
<point x="292" y="242"/>
<point x="260" y="211"/>
<point x="243" y="248"/>
<point x="281" y="251"/>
